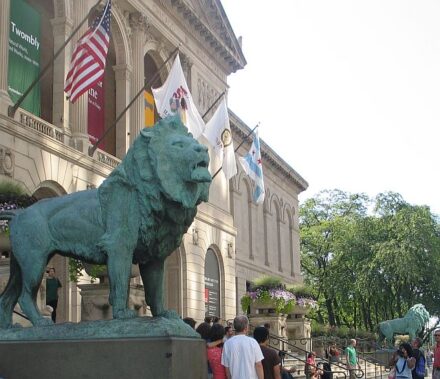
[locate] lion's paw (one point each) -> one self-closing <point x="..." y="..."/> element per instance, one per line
<point x="169" y="314"/>
<point x="125" y="313"/>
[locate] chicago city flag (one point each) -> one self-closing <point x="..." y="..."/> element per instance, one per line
<point x="218" y="133"/>
<point x="253" y="167"/>
<point x="174" y="98"/>
<point x="89" y="56"/>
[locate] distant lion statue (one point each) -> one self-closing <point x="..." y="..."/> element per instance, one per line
<point x="138" y="215"/>
<point x="412" y="324"/>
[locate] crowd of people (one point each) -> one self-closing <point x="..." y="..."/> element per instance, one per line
<point x="410" y="362"/>
<point x="232" y="354"/>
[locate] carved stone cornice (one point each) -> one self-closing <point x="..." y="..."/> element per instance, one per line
<point x="217" y="37"/>
<point x="240" y="129"/>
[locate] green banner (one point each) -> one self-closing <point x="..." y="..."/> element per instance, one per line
<point x="24" y="54"/>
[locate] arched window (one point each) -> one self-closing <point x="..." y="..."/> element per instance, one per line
<point x="212" y="284"/>
<point x="150" y="70"/>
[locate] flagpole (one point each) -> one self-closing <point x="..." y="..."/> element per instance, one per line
<point x="13" y="108"/>
<point x="236" y="149"/>
<point x="213" y="104"/>
<point x="93" y="148"/>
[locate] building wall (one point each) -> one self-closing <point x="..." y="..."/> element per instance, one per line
<point x="50" y="158"/>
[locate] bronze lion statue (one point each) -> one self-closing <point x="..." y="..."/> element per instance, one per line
<point x="412" y="324"/>
<point x="138" y="215"/>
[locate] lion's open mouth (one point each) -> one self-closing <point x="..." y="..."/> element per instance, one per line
<point x="200" y="172"/>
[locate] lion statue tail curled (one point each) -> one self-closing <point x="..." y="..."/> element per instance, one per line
<point x="10" y="295"/>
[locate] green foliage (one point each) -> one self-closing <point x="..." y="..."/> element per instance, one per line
<point x="267" y="282"/>
<point x="12" y="196"/>
<point x="245" y="302"/>
<point x="76" y="269"/>
<point x="302" y="290"/>
<point x="366" y="267"/>
<point x="342" y="332"/>
<point x="13" y="188"/>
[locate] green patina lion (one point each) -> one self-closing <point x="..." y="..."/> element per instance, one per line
<point x="412" y="324"/>
<point x="138" y="215"/>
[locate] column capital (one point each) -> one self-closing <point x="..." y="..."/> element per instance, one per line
<point x="138" y="22"/>
<point x="123" y="71"/>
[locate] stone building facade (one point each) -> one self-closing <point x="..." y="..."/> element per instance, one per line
<point x="47" y="154"/>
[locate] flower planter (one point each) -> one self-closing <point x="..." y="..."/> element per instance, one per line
<point x="103" y="277"/>
<point x="299" y="311"/>
<point x="259" y="307"/>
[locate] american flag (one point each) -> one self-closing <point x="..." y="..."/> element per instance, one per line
<point x="88" y="58"/>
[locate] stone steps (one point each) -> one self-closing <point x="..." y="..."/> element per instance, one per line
<point x="370" y="370"/>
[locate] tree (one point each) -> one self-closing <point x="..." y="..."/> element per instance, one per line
<point x="366" y="267"/>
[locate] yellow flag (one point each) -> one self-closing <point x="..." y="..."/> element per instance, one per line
<point x="149" y="109"/>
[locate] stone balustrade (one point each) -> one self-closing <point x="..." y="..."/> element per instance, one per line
<point x="31" y="121"/>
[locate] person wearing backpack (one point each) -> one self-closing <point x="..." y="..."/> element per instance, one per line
<point x="419" y="371"/>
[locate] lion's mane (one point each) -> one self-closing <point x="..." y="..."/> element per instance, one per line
<point x="138" y="172"/>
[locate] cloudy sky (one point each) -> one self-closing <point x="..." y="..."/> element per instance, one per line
<point x="347" y="91"/>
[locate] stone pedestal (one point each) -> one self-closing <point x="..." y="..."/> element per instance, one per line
<point x="299" y="332"/>
<point x="161" y="357"/>
<point x="95" y="304"/>
<point x="264" y="312"/>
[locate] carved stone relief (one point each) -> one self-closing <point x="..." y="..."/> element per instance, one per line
<point x="206" y="94"/>
<point x="6" y="161"/>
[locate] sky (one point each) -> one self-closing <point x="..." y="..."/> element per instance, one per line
<point x="347" y="92"/>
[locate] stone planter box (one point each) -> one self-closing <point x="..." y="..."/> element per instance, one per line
<point x="299" y="312"/>
<point x="259" y="307"/>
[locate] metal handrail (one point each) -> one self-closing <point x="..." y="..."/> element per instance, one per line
<point x="359" y="373"/>
<point x="380" y="368"/>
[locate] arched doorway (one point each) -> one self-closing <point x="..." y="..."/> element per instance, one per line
<point x="212" y="284"/>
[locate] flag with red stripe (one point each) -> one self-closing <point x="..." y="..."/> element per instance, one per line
<point x="89" y="56"/>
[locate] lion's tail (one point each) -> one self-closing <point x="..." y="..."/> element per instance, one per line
<point x="9" y="297"/>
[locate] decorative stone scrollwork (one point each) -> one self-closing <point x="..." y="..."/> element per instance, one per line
<point x="206" y="94"/>
<point x="7" y="160"/>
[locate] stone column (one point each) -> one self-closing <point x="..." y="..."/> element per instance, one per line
<point x="62" y="28"/>
<point x="123" y="85"/>
<point x="78" y="110"/>
<point x="138" y="24"/>
<point x="266" y="247"/>
<point x="5" y="100"/>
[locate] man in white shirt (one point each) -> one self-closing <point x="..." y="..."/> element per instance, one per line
<point x="242" y="355"/>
